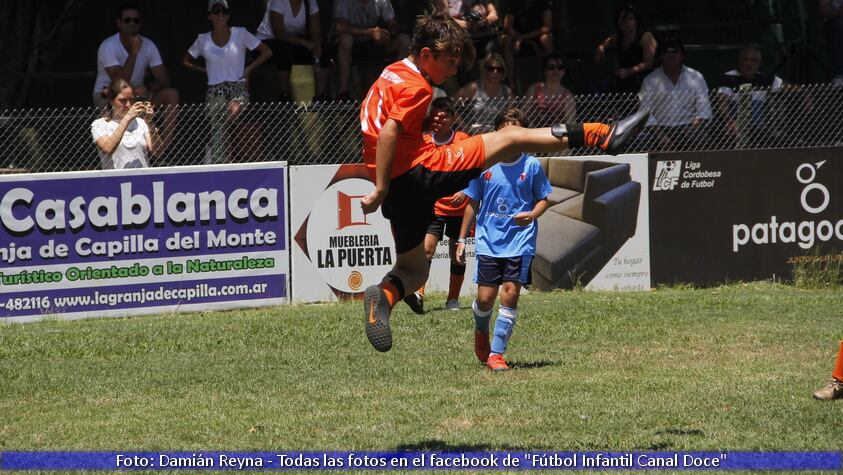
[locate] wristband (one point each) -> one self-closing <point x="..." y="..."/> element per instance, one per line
<point x="461" y="240"/>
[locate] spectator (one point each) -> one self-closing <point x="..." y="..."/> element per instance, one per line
<point x="488" y="93"/>
<point x="480" y="18"/>
<point x="506" y="200"/>
<point x="366" y="29"/>
<point x="127" y="55"/>
<point x="292" y="30"/>
<point x="749" y="63"/>
<point x="448" y="210"/>
<point x="122" y="135"/>
<point x="833" y="11"/>
<point x="527" y="22"/>
<point x="634" y="49"/>
<point x="224" y="49"/>
<point x="677" y="97"/>
<point x="552" y="103"/>
<point x="834" y="388"/>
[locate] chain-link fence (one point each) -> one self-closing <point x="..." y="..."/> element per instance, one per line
<point x="44" y="140"/>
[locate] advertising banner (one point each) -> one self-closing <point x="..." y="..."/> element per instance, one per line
<point x="124" y="242"/>
<point x="744" y="215"/>
<point x="338" y="251"/>
<point x="629" y="267"/>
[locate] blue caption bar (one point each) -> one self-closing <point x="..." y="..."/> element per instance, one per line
<point x="487" y="461"/>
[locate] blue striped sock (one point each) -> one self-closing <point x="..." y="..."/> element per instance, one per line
<point x="503" y="329"/>
<point x="481" y="318"/>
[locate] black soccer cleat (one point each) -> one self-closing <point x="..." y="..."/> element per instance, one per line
<point x="415" y="301"/>
<point x="622" y="132"/>
<point x="376" y="311"/>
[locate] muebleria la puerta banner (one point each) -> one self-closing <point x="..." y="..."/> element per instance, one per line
<point x="112" y="243"/>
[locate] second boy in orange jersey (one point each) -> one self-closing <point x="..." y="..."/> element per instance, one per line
<point x="410" y="175"/>
<point x="448" y="210"/>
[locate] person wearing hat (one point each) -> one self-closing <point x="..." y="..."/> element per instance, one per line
<point x="677" y="97"/>
<point x="224" y="50"/>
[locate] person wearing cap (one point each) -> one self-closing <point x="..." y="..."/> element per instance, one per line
<point x="293" y="31"/>
<point x="677" y="97"/>
<point x="224" y="50"/>
<point x="127" y="55"/>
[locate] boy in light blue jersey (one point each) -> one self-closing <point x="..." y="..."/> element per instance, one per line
<point x="506" y="200"/>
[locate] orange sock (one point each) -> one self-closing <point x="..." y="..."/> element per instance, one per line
<point x="594" y="132"/>
<point x="454" y="286"/>
<point x="838" y="366"/>
<point x="391" y="291"/>
<point x="421" y="291"/>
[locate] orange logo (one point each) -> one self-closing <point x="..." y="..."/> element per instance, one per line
<point x="372" y="319"/>
<point x="355" y="280"/>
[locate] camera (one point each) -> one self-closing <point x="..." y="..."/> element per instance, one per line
<point x="475" y="16"/>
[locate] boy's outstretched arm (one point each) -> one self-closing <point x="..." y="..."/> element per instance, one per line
<point x="384" y="156"/>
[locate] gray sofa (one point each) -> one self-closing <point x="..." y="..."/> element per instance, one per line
<point x="593" y="212"/>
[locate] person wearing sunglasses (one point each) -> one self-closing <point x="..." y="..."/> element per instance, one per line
<point x="128" y="55"/>
<point x="549" y="102"/>
<point x="489" y="94"/>
<point x="123" y="135"/>
<point x="224" y="50"/>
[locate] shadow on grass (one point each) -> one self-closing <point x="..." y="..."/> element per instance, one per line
<point x="436" y="445"/>
<point x="531" y="364"/>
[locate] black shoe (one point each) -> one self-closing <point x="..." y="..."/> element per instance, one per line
<point x="376" y="311"/>
<point x="415" y="302"/>
<point x="622" y="132"/>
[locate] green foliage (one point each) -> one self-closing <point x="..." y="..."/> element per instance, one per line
<point x="673" y="369"/>
<point x="818" y="270"/>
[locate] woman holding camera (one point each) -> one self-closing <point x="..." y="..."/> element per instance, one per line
<point x="123" y="135"/>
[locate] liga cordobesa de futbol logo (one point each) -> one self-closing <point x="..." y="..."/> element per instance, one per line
<point x="349" y="250"/>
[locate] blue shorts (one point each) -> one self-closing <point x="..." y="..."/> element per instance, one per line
<point x="497" y="270"/>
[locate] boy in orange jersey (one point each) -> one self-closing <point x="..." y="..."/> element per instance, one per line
<point x="834" y="388"/>
<point x="410" y="175"/>
<point x="448" y="211"/>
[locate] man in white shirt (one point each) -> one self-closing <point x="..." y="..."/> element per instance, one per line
<point x="127" y="55"/>
<point x="677" y="97"/>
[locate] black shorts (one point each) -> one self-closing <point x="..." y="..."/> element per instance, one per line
<point x="285" y="55"/>
<point x="409" y="204"/>
<point x="445" y="226"/>
<point x="497" y="270"/>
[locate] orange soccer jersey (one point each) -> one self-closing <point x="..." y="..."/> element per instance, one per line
<point x="443" y="206"/>
<point x="401" y="93"/>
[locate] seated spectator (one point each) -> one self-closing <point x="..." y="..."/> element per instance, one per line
<point x="368" y="30"/>
<point x="488" y="94"/>
<point x="292" y="30"/>
<point x="677" y="97"/>
<point x="480" y="18"/>
<point x="526" y="23"/>
<point x="551" y="102"/>
<point x="749" y="63"/>
<point x="634" y="51"/>
<point x="127" y="55"/>
<point x="833" y="11"/>
<point x="224" y="49"/>
<point x="123" y="134"/>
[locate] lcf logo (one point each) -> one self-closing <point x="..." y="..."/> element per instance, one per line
<point x="667" y="175"/>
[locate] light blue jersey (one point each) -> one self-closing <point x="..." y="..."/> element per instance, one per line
<point x="505" y="190"/>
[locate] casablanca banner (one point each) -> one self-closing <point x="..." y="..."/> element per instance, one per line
<point x="744" y="215"/>
<point x="125" y="242"/>
<point x="337" y="251"/>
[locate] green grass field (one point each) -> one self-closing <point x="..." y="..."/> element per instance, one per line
<point x="675" y="369"/>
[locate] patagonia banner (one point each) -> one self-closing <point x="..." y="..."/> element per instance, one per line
<point x="745" y="215"/>
<point x="125" y="242"/>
